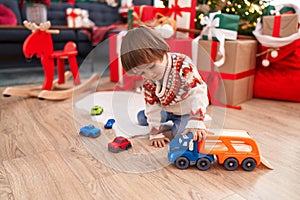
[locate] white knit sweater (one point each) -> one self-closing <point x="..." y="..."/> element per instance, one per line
<point x="182" y="91"/>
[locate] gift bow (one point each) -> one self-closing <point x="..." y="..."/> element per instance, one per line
<point x="72" y="14"/>
<point x="211" y="29"/>
<point x="176" y="9"/>
<point x="277" y="10"/>
<point x="210" y="25"/>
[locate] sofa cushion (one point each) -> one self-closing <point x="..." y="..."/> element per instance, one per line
<point x="14" y="7"/>
<point x="64" y="36"/>
<point x="7" y="17"/>
<point x="143" y="2"/>
<point x="57" y="13"/>
<point x="101" y="14"/>
<point x="14" y="35"/>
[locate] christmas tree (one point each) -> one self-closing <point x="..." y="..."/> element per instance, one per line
<point x="249" y="11"/>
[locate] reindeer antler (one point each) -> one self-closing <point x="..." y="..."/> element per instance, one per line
<point x="31" y="26"/>
<point x="43" y="27"/>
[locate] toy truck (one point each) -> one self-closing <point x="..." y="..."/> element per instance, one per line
<point x="230" y="148"/>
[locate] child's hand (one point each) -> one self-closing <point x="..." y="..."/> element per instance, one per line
<point x="159" y="142"/>
<point x="198" y="134"/>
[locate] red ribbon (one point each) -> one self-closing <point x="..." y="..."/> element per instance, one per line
<point x="176" y="9"/>
<point x="277" y="24"/>
<point x="73" y="15"/>
<point x="238" y="75"/>
<point x="226" y="76"/>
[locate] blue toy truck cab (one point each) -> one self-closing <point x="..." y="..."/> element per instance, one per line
<point x="183" y="151"/>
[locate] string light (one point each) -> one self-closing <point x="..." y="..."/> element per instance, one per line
<point x="249" y="11"/>
<point x="247" y="3"/>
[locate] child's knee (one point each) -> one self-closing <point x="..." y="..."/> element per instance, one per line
<point x="142" y="119"/>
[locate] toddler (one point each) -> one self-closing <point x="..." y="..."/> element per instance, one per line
<point x="173" y="89"/>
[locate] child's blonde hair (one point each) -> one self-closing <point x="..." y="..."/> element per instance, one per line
<point x="142" y="45"/>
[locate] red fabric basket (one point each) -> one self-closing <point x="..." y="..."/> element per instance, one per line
<point x="281" y="79"/>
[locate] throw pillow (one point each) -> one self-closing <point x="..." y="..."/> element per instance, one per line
<point x="7" y="17"/>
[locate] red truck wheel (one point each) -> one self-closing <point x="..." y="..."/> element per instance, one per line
<point x="182" y="163"/>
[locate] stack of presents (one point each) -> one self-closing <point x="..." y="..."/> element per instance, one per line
<point x="234" y="68"/>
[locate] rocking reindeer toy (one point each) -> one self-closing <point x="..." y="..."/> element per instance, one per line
<point x="39" y="42"/>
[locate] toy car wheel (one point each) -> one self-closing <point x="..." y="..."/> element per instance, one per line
<point x="231" y="164"/>
<point x="82" y="133"/>
<point x="95" y="135"/>
<point x="112" y="149"/>
<point x="128" y="146"/>
<point x="203" y="164"/>
<point x="182" y="163"/>
<point x="248" y="164"/>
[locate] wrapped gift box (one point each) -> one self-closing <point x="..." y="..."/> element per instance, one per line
<point x="231" y="83"/>
<point x="219" y="27"/>
<point x="216" y="24"/>
<point x="146" y="15"/>
<point x="184" y="13"/>
<point x="280" y="25"/>
<point x="278" y="10"/>
<point x="143" y="14"/>
<point x="74" y="18"/>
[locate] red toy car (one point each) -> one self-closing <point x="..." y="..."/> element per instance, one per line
<point x="118" y="144"/>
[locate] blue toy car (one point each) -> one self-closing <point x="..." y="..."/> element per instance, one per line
<point x="90" y="131"/>
<point x="109" y="123"/>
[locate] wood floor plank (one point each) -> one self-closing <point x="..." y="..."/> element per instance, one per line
<point x="69" y="186"/>
<point x="86" y="167"/>
<point x="43" y="176"/>
<point x="30" y="179"/>
<point x="20" y="135"/>
<point x="126" y="185"/>
<point x="187" y="184"/>
<point x="56" y="122"/>
<point x="5" y="188"/>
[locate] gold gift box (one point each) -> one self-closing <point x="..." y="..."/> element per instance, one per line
<point x="237" y="72"/>
<point x="288" y="25"/>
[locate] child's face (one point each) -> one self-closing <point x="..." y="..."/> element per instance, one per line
<point x="153" y="71"/>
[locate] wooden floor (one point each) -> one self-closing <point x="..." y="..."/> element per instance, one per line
<point x="43" y="157"/>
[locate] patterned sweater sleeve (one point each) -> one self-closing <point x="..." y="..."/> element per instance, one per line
<point x="153" y="106"/>
<point x="198" y="93"/>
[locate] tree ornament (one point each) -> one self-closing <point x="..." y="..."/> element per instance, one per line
<point x="204" y="8"/>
